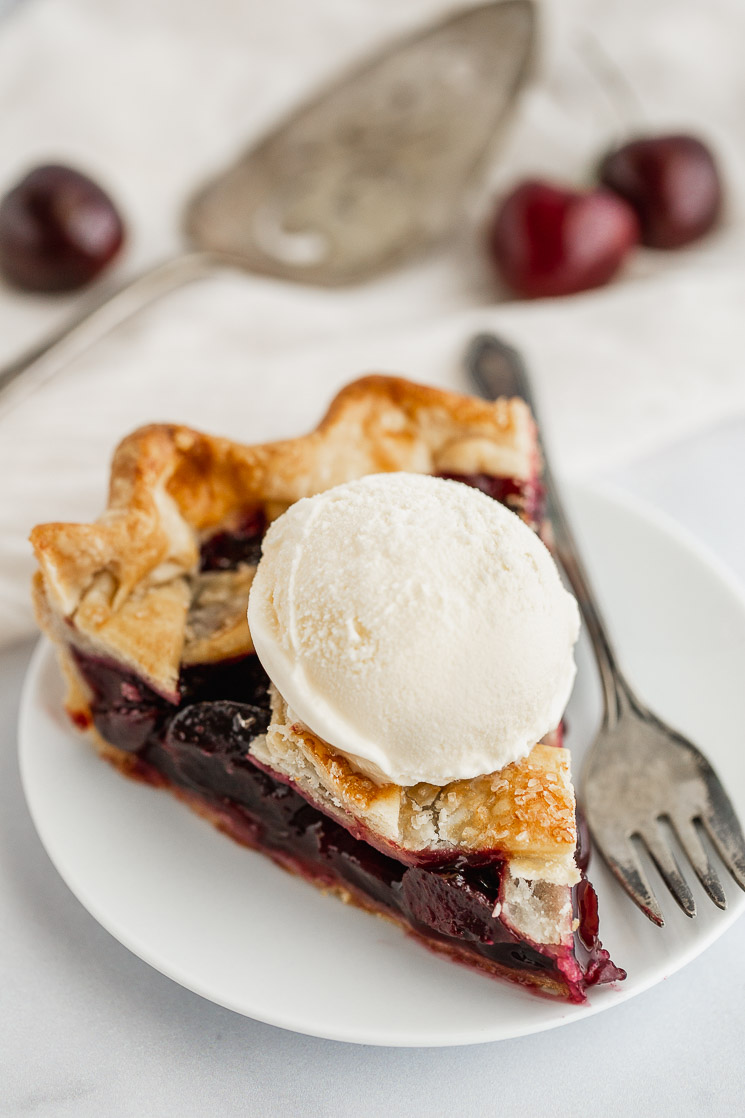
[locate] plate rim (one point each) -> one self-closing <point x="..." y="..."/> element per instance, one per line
<point x="600" y="999"/>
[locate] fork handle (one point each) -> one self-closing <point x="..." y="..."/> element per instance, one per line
<point x="99" y="318"/>
<point x="498" y="370"/>
<point x="615" y="688"/>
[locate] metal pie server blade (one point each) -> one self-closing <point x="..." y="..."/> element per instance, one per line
<point x="376" y="166"/>
<point x="361" y="177"/>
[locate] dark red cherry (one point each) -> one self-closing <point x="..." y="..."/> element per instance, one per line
<point x="226" y="549"/>
<point x="673" y="184"/>
<point x="548" y="240"/>
<point x="587" y="913"/>
<point x="58" y="230"/>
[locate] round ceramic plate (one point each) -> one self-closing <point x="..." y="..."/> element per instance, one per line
<point x="229" y="925"/>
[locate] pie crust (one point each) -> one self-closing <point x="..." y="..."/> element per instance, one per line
<point x="130" y="591"/>
<point x="124" y="581"/>
<point x="525" y="813"/>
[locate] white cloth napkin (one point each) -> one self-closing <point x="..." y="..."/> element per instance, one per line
<point x="152" y="96"/>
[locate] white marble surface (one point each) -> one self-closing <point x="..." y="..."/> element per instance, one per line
<point x="88" y="1030"/>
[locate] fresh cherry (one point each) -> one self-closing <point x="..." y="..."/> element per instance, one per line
<point x="58" y="230"/>
<point x="548" y="240"/>
<point x="673" y="184"/>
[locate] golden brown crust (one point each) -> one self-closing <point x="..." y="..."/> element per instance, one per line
<point x="525" y="813"/>
<point x="170" y="485"/>
<point x="526" y="809"/>
<point x="127" y="586"/>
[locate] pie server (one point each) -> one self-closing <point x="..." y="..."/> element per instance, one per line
<point x="368" y="172"/>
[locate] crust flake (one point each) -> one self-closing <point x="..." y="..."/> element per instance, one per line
<point x="524" y="812"/>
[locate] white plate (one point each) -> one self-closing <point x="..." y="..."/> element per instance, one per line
<point x="226" y="923"/>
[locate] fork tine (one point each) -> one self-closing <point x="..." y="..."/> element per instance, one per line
<point x="668" y="868"/>
<point x="626" y="867"/>
<point x="693" y="848"/>
<point x="724" y="830"/>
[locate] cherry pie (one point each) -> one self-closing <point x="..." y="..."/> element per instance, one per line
<point x="147" y="609"/>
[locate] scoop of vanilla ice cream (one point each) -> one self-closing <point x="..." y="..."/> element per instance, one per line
<point x="416" y="625"/>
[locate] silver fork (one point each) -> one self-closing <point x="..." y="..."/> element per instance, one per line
<point x="642" y="781"/>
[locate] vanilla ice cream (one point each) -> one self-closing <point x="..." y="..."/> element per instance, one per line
<point x="416" y="625"/>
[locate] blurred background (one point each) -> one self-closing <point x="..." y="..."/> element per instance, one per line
<point x="151" y="99"/>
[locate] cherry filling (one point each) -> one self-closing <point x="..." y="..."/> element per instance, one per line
<point x="200" y="745"/>
<point x="224" y="550"/>
<point x="204" y="751"/>
<point x="198" y="741"/>
<point x="525" y="497"/>
<point x="129" y="713"/>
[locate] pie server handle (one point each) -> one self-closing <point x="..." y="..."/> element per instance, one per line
<point x="497" y="369"/>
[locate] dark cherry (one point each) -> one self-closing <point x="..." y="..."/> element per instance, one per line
<point x="220" y="727"/>
<point x="58" y="230"/>
<point x="208" y="745"/>
<point x="592" y="956"/>
<point x="449" y="903"/>
<point x="240" y="680"/>
<point x="521" y="496"/>
<point x="225" y="549"/>
<point x="587" y="913"/>
<point x="125" y="710"/>
<point x="584" y="845"/>
<point x="129" y="713"/>
<point x="548" y="240"/>
<point x="673" y="184"/>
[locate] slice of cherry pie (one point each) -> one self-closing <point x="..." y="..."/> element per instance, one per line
<point x="147" y="609"/>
